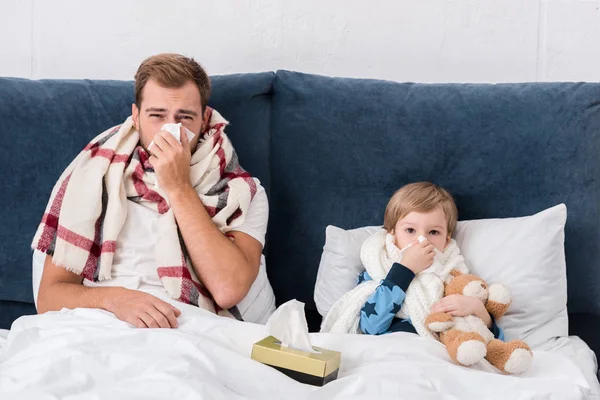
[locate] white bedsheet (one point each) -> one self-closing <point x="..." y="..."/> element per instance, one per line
<point x="89" y="354"/>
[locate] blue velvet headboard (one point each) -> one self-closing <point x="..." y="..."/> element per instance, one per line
<point x="341" y="147"/>
<point x="44" y="124"/>
<point x="331" y="151"/>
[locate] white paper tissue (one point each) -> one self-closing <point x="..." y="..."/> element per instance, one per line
<point x="288" y="325"/>
<point x="175" y="130"/>
<point x="420" y="239"/>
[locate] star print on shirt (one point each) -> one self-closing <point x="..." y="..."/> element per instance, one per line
<point x="369" y="309"/>
<point x="361" y="278"/>
<point x="396" y="308"/>
<point x="388" y="284"/>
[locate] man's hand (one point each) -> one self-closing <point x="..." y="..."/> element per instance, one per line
<point x="141" y="310"/>
<point x="460" y="305"/>
<point x="419" y="256"/>
<point x="171" y="161"/>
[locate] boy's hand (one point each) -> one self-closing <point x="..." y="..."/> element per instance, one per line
<point x="459" y="305"/>
<point x="419" y="256"/>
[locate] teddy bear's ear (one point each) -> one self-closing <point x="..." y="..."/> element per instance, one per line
<point x="453" y="274"/>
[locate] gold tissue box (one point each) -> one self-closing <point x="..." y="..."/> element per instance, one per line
<point x="312" y="368"/>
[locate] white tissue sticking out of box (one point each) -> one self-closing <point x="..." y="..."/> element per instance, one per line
<point x="288" y="325"/>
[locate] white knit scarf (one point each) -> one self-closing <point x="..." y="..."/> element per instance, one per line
<point x="378" y="254"/>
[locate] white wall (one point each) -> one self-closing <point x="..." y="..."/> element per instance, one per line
<point x="416" y="40"/>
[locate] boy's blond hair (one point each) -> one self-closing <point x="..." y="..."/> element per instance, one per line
<point x="420" y="197"/>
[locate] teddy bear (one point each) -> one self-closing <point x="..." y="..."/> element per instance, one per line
<point x="467" y="339"/>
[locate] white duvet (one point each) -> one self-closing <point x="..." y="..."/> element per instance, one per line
<point x="89" y="354"/>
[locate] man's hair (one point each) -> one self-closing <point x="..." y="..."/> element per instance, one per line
<point x="420" y="197"/>
<point x="172" y="71"/>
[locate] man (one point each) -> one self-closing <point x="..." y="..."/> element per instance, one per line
<point x="163" y="226"/>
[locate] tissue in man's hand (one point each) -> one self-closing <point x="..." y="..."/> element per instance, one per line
<point x="175" y="130"/>
<point x="288" y="349"/>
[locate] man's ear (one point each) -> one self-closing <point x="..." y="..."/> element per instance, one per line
<point x="135" y="115"/>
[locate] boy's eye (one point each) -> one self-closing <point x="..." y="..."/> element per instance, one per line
<point x="185" y="117"/>
<point x="410" y="230"/>
<point x="155" y="115"/>
<point x="434" y="232"/>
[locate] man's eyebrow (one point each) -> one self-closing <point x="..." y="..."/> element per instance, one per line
<point x="189" y="112"/>
<point x="154" y="109"/>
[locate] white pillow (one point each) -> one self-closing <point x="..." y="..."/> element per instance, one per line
<point x="259" y="303"/>
<point x="340" y="264"/>
<point x="39" y="258"/>
<point x="526" y="254"/>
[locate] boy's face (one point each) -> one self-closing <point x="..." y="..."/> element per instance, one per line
<point x="432" y="225"/>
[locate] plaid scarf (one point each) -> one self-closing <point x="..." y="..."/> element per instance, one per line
<point x="88" y="205"/>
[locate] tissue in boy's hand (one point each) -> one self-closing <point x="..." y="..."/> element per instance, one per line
<point x="288" y="325"/>
<point x="420" y="239"/>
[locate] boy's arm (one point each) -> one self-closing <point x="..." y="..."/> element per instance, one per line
<point x="379" y="311"/>
<point x="496" y="330"/>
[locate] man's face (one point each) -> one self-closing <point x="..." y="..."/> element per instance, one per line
<point x="162" y="105"/>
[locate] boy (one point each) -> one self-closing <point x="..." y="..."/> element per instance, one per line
<point x="418" y="209"/>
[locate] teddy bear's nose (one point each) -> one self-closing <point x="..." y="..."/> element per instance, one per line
<point x="483" y="286"/>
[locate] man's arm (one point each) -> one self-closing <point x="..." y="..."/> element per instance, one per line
<point x="227" y="268"/>
<point x="60" y="288"/>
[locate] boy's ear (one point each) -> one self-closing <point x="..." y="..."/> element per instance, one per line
<point x="447" y="242"/>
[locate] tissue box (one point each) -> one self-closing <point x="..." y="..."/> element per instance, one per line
<point x="312" y="368"/>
